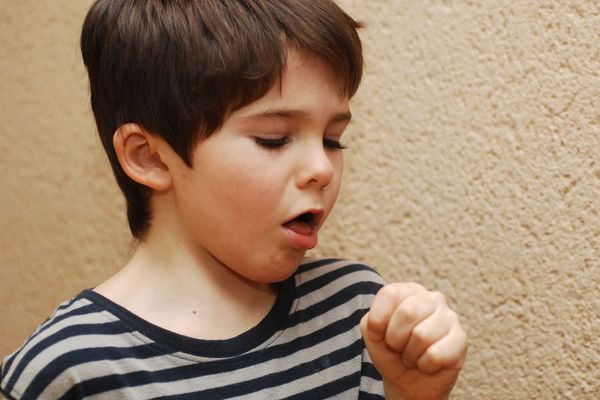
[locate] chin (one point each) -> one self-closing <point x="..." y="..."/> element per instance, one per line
<point x="279" y="268"/>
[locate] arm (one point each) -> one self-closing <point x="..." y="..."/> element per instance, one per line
<point x="415" y="341"/>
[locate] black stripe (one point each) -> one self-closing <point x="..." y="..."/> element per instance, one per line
<point x="336" y="300"/>
<point x="233" y="347"/>
<point x="87" y="309"/>
<point x="68" y="303"/>
<point x="277" y="378"/>
<point x="53" y="319"/>
<point x="369" y="396"/>
<point x="369" y="370"/>
<point x="47" y="324"/>
<point x="68" y="332"/>
<point x="61" y="307"/>
<point x="325" y="279"/>
<point x="317" y="264"/>
<point x="345" y="321"/>
<point x="336" y="328"/>
<point x="138" y="378"/>
<point x="274" y="352"/>
<point x="329" y="389"/>
<point x="73" y="358"/>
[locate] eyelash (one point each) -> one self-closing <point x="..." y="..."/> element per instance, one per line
<point x="276" y="144"/>
<point x="272" y="144"/>
<point x="333" y="144"/>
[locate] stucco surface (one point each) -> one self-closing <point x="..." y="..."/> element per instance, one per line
<point x="473" y="167"/>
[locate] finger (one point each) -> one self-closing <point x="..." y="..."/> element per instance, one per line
<point x="405" y="318"/>
<point x="384" y="304"/>
<point x="448" y="352"/>
<point x="424" y="335"/>
<point x="387" y="362"/>
<point x="373" y="346"/>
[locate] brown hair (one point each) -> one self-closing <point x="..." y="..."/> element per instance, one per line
<point x="178" y="68"/>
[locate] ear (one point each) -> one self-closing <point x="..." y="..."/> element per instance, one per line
<point x="138" y="154"/>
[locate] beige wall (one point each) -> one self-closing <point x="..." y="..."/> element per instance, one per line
<point x="474" y="168"/>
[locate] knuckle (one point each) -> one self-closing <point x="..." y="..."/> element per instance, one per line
<point x="438" y="297"/>
<point x="452" y="317"/>
<point x="394" y="343"/>
<point x="435" y="356"/>
<point x="420" y="335"/>
<point x="387" y="290"/>
<point x="409" y="313"/>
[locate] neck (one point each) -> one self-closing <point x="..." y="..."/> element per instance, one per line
<point x="187" y="291"/>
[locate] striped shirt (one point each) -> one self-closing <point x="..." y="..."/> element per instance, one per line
<point x="309" y="346"/>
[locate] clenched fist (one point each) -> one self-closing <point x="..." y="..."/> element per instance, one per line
<point x="415" y="341"/>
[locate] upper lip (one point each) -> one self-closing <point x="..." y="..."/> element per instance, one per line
<point x="317" y="216"/>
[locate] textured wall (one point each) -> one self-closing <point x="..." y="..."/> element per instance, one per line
<point x="473" y="167"/>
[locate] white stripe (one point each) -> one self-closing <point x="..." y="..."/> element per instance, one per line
<point x="306" y="383"/>
<point x="372" y="386"/>
<point x="55" y="328"/>
<point x="367" y="356"/>
<point x="96" y="369"/>
<point x="330" y="289"/>
<point x="247" y="373"/>
<point x="322" y="320"/>
<point x="81" y="342"/>
<point x="322" y="270"/>
<point x="90" y="370"/>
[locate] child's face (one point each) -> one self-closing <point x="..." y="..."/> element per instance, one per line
<point x="272" y="161"/>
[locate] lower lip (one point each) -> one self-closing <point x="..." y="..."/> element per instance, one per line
<point x="302" y="242"/>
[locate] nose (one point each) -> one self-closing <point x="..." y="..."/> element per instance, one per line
<point x="316" y="166"/>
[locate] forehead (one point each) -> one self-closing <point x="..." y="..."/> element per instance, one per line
<point x="298" y="61"/>
<point x="307" y="87"/>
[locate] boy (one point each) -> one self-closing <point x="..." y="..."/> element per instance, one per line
<point x="222" y="121"/>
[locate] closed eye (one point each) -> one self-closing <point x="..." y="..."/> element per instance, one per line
<point x="333" y="144"/>
<point x="272" y="144"/>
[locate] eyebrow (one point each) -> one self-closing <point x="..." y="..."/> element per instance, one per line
<point x="285" y="113"/>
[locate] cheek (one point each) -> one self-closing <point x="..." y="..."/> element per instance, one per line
<point x="333" y="193"/>
<point x="338" y="167"/>
<point x="336" y="183"/>
<point x="248" y="188"/>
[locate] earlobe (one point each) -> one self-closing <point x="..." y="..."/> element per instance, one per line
<point x="138" y="154"/>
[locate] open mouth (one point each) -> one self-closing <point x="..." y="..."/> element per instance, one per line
<point x="305" y="223"/>
<point x="307" y="218"/>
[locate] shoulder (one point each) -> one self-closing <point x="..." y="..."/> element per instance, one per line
<point x="41" y="367"/>
<point x="337" y="280"/>
<point x="333" y="269"/>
